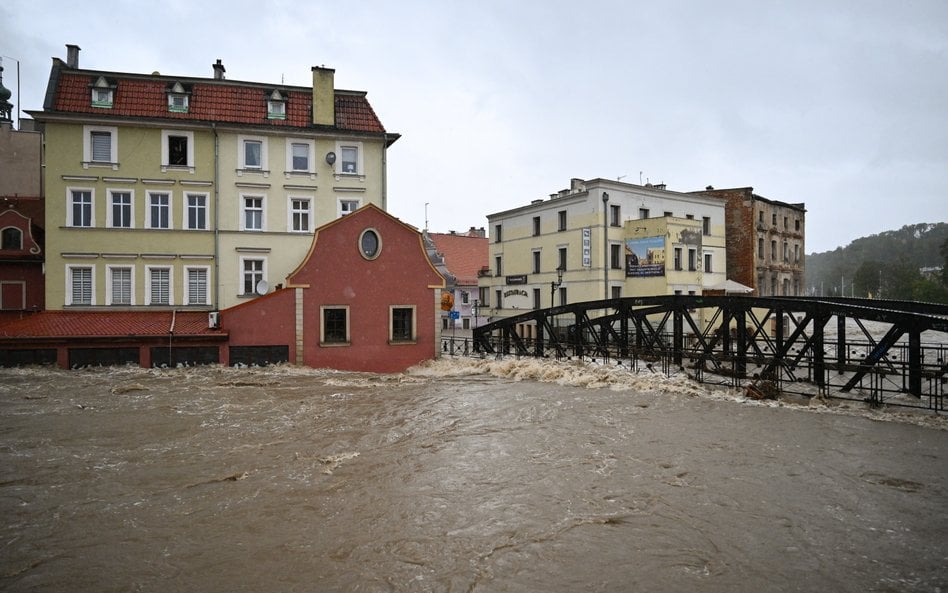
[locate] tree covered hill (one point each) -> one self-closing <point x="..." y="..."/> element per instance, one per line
<point x="888" y="265"/>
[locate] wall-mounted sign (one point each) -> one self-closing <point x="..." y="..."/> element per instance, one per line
<point x="518" y="279"/>
<point x="587" y="248"/>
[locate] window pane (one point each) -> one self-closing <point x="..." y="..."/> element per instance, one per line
<point x="253" y="273"/>
<point x="350" y="157"/>
<point x="252" y="153"/>
<point x="334" y="325"/>
<point x="12" y="238"/>
<point x="300" y="215"/>
<point x="253" y="214"/>
<point x="121" y="210"/>
<point x="178" y="150"/>
<point x="401" y="324"/>
<point x="159" y="210"/>
<point x="347" y="206"/>
<point x="197" y="212"/>
<point x="300" y="157"/>
<point x="81" y="208"/>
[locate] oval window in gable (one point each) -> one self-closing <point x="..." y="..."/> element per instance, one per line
<point x="370" y="244"/>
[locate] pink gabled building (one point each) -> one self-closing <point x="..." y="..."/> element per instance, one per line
<point x="365" y="298"/>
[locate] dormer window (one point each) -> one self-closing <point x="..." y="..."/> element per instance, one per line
<point x="103" y="93"/>
<point x="276" y="105"/>
<point x="178" y="98"/>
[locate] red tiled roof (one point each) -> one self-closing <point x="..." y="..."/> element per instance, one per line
<point x="123" y="324"/>
<point x="464" y="256"/>
<point x="219" y="101"/>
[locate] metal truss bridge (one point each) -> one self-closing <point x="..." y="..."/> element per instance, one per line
<point x="881" y="352"/>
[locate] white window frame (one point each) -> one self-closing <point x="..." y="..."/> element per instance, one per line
<point x="322" y="326"/>
<point x="110" y="214"/>
<point x="166" y="152"/>
<point x="413" y="339"/>
<point x="178" y="94"/>
<point x="242" y="153"/>
<point x="708" y="263"/>
<point x="241" y="277"/>
<point x="109" y="297"/>
<point x="149" y="223"/>
<point x="341" y="201"/>
<point x="186" y="211"/>
<point x="187" y="284"/>
<point x="70" y="219"/>
<point x="311" y="161"/>
<point x="291" y="212"/>
<point x="69" y="282"/>
<point x="243" y="212"/>
<point x="359" y="163"/>
<point x="105" y="100"/>
<point x="87" y="146"/>
<point x="148" y="272"/>
<point x="276" y="109"/>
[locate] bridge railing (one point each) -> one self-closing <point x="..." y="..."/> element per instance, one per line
<point x="785" y="343"/>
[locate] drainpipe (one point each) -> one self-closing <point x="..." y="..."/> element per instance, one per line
<point x="174" y="314"/>
<point x="385" y="173"/>
<point x="217" y="233"/>
<point x="605" y="245"/>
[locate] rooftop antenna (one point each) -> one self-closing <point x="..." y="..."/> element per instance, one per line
<point x="426" y="217"/>
<point x="640" y="178"/>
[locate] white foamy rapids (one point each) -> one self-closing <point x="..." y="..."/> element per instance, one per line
<point x="592" y="374"/>
<point x="586" y="373"/>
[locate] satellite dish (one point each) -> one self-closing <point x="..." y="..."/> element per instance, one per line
<point x="262" y="287"/>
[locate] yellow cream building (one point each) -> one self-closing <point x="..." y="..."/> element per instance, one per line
<point x="183" y="192"/>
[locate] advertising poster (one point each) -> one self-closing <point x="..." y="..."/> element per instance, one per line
<point x="645" y="257"/>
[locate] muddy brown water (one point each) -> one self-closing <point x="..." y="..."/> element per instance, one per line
<point x="456" y="477"/>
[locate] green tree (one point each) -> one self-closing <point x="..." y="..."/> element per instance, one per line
<point x="898" y="281"/>
<point x="944" y="266"/>
<point x="930" y="291"/>
<point x="868" y="278"/>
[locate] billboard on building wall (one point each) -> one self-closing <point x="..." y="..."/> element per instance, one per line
<point x="645" y="257"/>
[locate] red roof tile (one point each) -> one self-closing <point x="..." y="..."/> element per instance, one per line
<point x="464" y="256"/>
<point x="123" y="324"/>
<point x="219" y="101"/>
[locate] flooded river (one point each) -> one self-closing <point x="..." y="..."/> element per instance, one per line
<point x="463" y="475"/>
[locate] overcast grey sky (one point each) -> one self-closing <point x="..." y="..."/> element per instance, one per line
<point x="842" y="105"/>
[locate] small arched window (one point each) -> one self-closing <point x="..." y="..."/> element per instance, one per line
<point x="12" y="239"/>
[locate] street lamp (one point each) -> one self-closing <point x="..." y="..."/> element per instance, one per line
<point x="554" y="285"/>
<point x="474" y="312"/>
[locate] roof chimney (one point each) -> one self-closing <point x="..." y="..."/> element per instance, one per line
<point x="324" y="96"/>
<point x="218" y="70"/>
<point x="72" y="55"/>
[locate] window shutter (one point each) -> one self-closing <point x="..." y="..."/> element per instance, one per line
<point x="82" y="286"/>
<point x="102" y="147"/>
<point x="197" y="287"/>
<point x="121" y="286"/>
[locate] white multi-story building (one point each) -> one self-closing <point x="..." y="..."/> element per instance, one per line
<point x="603" y="239"/>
